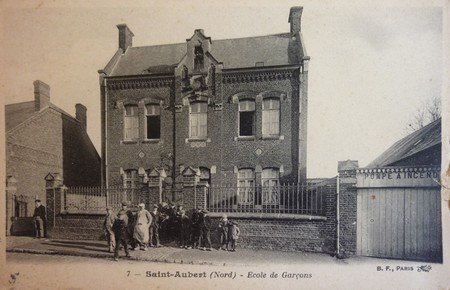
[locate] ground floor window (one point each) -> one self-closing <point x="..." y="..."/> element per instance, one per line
<point x="130" y="178"/>
<point x="270" y="186"/>
<point x="246" y="186"/>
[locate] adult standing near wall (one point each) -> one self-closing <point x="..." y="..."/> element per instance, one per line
<point x="130" y="223"/>
<point x="205" y="230"/>
<point x="141" y="228"/>
<point x="154" y="226"/>
<point x="107" y="227"/>
<point x="39" y="219"/>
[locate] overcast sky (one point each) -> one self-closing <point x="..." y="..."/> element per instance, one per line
<point x="371" y="66"/>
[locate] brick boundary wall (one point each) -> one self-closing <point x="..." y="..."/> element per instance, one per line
<point x="262" y="231"/>
<point x="258" y="231"/>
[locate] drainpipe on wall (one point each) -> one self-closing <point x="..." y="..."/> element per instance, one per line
<point x="338" y="222"/>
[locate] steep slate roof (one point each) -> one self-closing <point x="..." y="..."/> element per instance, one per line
<point x="278" y="49"/>
<point x="414" y="143"/>
<point x="16" y="114"/>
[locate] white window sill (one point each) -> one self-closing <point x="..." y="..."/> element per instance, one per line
<point x="244" y="138"/>
<point x="204" y="139"/>
<point x="151" y="141"/>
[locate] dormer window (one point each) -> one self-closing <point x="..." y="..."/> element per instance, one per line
<point x="198" y="58"/>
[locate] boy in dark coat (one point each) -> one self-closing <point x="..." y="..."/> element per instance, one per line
<point x="185" y="229"/>
<point x="233" y="235"/>
<point x="120" y="228"/>
<point x="195" y="228"/>
<point x="223" y="230"/>
<point x="154" y="226"/>
<point x="205" y="230"/>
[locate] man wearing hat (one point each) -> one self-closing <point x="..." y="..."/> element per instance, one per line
<point x="141" y="228"/>
<point x="195" y="228"/>
<point x="39" y="218"/>
<point x="185" y="225"/>
<point x="130" y="226"/>
<point x="205" y="229"/>
<point x="120" y="228"/>
<point x="107" y="227"/>
<point x="154" y="226"/>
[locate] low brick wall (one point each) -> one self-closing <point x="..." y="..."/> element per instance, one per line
<point x="289" y="232"/>
<point x="23" y="226"/>
<point x="295" y="234"/>
<point x="77" y="227"/>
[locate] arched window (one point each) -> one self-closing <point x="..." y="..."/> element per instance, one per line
<point x="198" y="58"/>
<point x="270" y="185"/>
<point x="131" y="122"/>
<point x="246" y="118"/>
<point x="271" y="117"/>
<point x="130" y="178"/>
<point x="198" y="120"/>
<point x="246" y="186"/>
<point x="153" y="121"/>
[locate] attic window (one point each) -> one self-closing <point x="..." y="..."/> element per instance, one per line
<point x="198" y="58"/>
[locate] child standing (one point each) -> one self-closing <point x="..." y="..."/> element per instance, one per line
<point x="223" y="229"/>
<point x="233" y="234"/>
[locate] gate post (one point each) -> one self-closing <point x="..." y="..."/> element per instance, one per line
<point x="55" y="200"/>
<point x="11" y="190"/>
<point x="347" y="204"/>
<point x="193" y="195"/>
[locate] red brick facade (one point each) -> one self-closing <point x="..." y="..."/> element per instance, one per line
<point x="175" y="77"/>
<point x="41" y="138"/>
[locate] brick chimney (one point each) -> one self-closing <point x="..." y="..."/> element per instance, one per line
<point x="41" y="95"/>
<point x="295" y="18"/>
<point x="125" y="37"/>
<point x="80" y="115"/>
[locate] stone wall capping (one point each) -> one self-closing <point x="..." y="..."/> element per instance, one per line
<point x="269" y="216"/>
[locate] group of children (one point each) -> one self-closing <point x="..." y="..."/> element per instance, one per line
<point x="139" y="229"/>
<point x="229" y="233"/>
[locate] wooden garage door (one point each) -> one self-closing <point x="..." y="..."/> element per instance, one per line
<point x="402" y="223"/>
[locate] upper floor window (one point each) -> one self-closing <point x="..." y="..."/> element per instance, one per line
<point x="247" y="118"/>
<point x="270" y="185"/>
<point x="271" y="117"/>
<point x="131" y="122"/>
<point x="198" y="58"/>
<point x="246" y="186"/>
<point x="153" y="121"/>
<point x="130" y="178"/>
<point x="198" y="120"/>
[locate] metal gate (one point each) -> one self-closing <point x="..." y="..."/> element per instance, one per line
<point x="399" y="221"/>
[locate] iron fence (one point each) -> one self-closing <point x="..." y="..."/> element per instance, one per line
<point x="287" y="198"/>
<point x="97" y="198"/>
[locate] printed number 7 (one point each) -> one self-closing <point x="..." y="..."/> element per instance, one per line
<point x="128" y="273"/>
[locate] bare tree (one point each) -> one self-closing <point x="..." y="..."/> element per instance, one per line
<point x="429" y="111"/>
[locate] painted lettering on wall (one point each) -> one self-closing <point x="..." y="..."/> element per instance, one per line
<point x="401" y="175"/>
